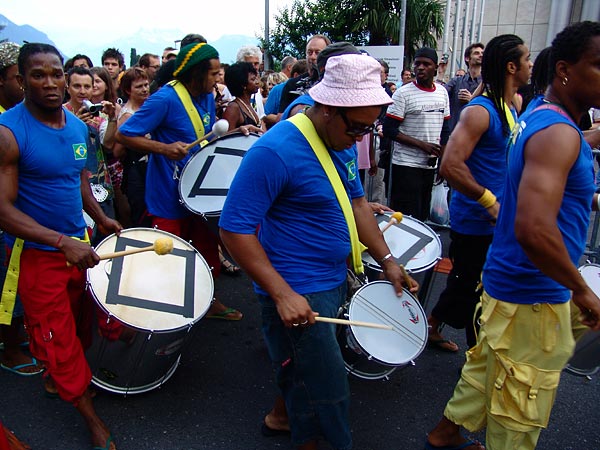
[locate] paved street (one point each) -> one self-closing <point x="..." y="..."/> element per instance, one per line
<point x="219" y="394"/>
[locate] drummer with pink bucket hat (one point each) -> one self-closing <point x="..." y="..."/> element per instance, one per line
<point x="313" y="219"/>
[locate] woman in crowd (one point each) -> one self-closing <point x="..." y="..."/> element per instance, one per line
<point x="243" y="81"/>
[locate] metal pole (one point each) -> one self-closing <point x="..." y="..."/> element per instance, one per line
<point x="480" y="30"/>
<point x="455" y="44"/>
<point x="266" y="58"/>
<point x="465" y="34"/>
<point x="402" y="23"/>
<point x="446" y="26"/>
<point x="473" y="17"/>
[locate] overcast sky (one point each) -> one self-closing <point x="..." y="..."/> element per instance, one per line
<point x="67" y="20"/>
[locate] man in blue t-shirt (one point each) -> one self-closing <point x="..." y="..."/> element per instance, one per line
<point x="509" y="381"/>
<point x="298" y="258"/>
<point x="43" y="189"/>
<point x="474" y="163"/>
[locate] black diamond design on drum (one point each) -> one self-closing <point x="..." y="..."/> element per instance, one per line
<point x="221" y="192"/>
<point x="114" y="281"/>
<point x="422" y="240"/>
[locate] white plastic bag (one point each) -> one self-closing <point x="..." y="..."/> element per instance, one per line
<point x="439" y="212"/>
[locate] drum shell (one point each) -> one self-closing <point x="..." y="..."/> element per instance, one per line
<point x="411" y="242"/>
<point x="374" y="354"/>
<point x="138" y="341"/>
<point x="206" y="177"/>
<point x="586" y="356"/>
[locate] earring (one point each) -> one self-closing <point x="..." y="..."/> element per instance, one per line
<point x="565" y="80"/>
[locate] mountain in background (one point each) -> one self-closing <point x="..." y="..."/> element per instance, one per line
<point x="143" y="41"/>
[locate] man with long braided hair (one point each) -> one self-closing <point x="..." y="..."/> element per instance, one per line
<point x="474" y="164"/>
<point x="509" y="381"/>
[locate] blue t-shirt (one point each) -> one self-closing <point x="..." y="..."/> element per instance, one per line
<point x="487" y="164"/>
<point x="165" y="118"/>
<point x="272" y="105"/>
<point x="304" y="99"/>
<point x="284" y="189"/>
<point x="50" y="165"/>
<point x="508" y="274"/>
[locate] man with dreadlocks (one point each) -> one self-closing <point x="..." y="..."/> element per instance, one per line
<point x="530" y="277"/>
<point x="474" y="164"/>
<point x="175" y="115"/>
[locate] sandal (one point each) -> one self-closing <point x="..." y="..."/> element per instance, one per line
<point x="229" y="268"/>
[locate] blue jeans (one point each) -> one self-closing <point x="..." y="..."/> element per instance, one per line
<point x="311" y="372"/>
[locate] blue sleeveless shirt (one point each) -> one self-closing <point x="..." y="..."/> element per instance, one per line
<point x="487" y="164"/>
<point x="508" y="274"/>
<point x="50" y="165"/>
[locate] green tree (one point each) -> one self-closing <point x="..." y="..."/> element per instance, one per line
<point x="362" y="22"/>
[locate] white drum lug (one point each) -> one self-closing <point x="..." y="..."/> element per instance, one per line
<point x="412" y="363"/>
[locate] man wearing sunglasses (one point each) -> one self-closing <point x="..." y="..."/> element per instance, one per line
<point x="298" y="259"/>
<point x="414" y="122"/>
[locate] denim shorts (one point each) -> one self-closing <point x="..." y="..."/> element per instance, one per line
<point x="18" y="310"/>
<point x="310" y="371"/>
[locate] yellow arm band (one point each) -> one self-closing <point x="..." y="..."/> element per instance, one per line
<point x="487" y="199"/>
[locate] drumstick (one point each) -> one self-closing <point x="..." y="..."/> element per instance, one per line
<point x="353" y="322"/>
<point x="161" y="246"/>
<point x="396" y="218"/>
<point x="405" y="276"/>
<point x="220" y="127"/>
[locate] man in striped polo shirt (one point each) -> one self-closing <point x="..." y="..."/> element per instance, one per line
<point x="414" y="123"/>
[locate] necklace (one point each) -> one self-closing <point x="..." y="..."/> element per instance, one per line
<point x="249" y="110"/>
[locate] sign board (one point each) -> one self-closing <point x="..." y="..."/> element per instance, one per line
<point x="391" y="54"/>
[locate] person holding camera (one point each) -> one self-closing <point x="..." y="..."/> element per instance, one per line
<point x="80" y="83"/>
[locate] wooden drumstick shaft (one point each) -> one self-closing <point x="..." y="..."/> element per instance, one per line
<point x="131" y="251"/>
<point x="206" y="137"/>
<point x="392" y="222"/>
<point x="357" y="323"/>
<point x="405" y="276"/>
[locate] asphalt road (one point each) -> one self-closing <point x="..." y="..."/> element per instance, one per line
<point x="217" y="397"/>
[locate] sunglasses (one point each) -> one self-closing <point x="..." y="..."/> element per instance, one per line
<point x="355" y="130"/>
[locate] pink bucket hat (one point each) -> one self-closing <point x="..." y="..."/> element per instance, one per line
<point x="351" y="81"/>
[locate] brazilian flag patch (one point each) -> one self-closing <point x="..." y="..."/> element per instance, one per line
<point x="80" y="151"/>
<point x="351" y="166"/>
<point x="206" y="120"/>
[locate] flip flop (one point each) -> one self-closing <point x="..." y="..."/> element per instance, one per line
<point x="106" y="444"/>
<point x="442" y="344"/>
<point x="16" y="369"/>
<point x="429" y="446"/>
<point x="225" y="315"/>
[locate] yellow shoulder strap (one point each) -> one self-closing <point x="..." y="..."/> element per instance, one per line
<point x="11" y="282"/>
<point x="186" y="99"/>
<point x="306" y="127"/>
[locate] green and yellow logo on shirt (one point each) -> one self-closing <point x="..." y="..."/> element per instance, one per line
<point x="351" y="166"/>
<point x="80" y="151"/>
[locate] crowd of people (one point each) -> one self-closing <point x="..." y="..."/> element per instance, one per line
<point x="112" y="142"/>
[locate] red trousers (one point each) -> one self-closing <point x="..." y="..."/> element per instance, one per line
<point x="193" y="228"/>
<point x="51" y="294"/>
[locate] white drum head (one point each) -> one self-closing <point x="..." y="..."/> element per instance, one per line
<point x="411" y="242"/>
<point x="207" y="176"/>
<point x="377" y="302"/>
<point x="152" y="292"/>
